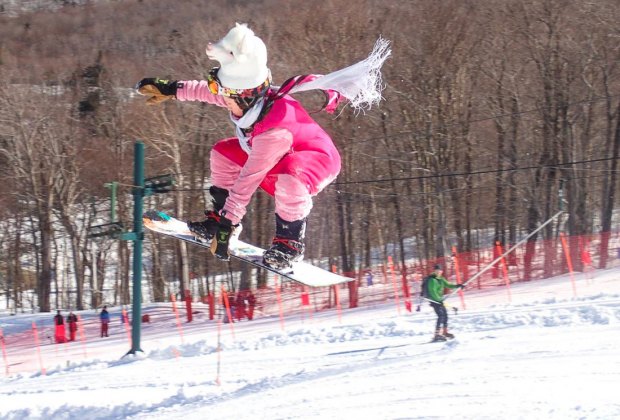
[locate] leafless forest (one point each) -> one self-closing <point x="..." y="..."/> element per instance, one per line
<point x="493" y="110"/>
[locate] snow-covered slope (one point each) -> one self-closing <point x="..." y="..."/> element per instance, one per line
<point x="544" y="355"/>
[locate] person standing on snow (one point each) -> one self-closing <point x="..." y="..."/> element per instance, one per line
<point x="104" y="317"/>
<point x="59" y="328"/>
<point x="433" y="290"/>
<point x="72" y="321"/>
<point x="278" y="147"/>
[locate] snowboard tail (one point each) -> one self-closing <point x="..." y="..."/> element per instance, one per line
<point x="301" y="272"/>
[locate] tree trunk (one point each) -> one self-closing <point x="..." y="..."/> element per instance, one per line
<point x="45" y="275"/>
<point x="609" y="195"/>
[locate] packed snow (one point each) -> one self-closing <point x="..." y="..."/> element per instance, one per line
<point x="542" y="349"/>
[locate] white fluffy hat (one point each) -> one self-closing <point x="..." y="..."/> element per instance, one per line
<point x="243" y="58"/>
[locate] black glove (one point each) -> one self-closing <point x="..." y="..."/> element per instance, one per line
<point x="159" y="90"/>
<point x="460" y="286"/>
<point x="221" y="240"/>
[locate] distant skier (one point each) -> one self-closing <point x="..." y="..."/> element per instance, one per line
<point x="72" y="321"/>
<point x="59" y="328"/>
<point x="433" y="290"/>
<point x="278" y="147"/>
<point x="104" y="317"/>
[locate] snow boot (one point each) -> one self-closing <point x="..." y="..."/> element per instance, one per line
<point x="446" y="334"/>
<point x="207" y="228"/>
<point x="287" y="246"/>
<point x="438" y="337"/>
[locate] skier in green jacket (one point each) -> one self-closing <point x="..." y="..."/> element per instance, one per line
<point x="433" y="290"/>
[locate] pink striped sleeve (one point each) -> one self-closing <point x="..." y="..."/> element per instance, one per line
<point x="198" y="90"/>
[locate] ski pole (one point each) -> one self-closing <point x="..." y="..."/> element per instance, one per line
<point x="454" y="308"/>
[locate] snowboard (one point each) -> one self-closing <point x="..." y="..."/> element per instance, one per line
<point x="301" y="272"/>
<point x="444" y="340"/>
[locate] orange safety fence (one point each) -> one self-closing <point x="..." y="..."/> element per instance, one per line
<point x="382" y="283"/>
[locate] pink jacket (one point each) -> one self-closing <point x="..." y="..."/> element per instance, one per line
<point x="286" y="144"/>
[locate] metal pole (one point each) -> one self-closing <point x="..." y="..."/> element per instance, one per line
<point x="138" y="193"/>
<point x="488" y="267"/>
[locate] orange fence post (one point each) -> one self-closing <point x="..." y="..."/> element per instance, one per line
<point x="406" y="293"/>
<point x="188" y="305"/>
<point x="305" y="302"/>
<point x="211" y="303"/>
<point x="125" y="318"/>
<point x="82" y="336"/>
<point x="6" y="363"/>
<point x="459" y="280"/>
<point x="569" y="261"/>
<point x="305" y="298"/>
<point x="226" y="303"/>
<point x="251" y="304"/>
<point x="176" y="315"/>
<point x="500" y="252"/>
<point x="35" y="333"/>
<point x="396" y="298"/>
<point x="279" y="298"/>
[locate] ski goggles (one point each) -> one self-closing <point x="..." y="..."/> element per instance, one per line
<point x="216" y="88"/>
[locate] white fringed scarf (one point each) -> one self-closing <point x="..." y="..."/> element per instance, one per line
<point x="360" y="83"/>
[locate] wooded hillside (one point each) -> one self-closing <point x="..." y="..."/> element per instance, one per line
<point x="491" y="110"/>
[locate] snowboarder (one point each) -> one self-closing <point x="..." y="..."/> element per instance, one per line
<point x="433" y="290"/>
<point x="278" y="146"/>
<point x="104" y="317"/>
